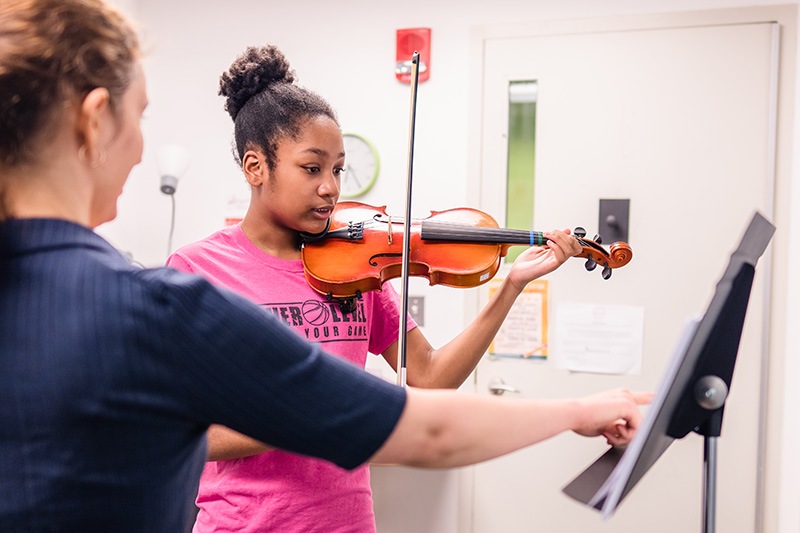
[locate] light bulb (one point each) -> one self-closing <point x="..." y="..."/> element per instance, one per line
<point x="172" y="161"/>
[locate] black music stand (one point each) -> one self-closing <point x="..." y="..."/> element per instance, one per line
<point x="692" y="393"/>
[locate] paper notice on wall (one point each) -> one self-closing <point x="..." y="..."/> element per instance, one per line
<point x="599" y="338"/>
<point x="523" y="334"/>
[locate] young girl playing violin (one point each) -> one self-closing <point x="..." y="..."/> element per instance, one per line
<point x="289" y="145"/>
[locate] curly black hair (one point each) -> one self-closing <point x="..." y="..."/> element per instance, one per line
<point x="265" y="103"/>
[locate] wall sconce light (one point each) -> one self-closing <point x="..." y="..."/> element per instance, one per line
<point x="172" y="162"/>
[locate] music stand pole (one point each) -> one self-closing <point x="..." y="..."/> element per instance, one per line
<point x="710" y="393"/>
<point x="709" y="483"/>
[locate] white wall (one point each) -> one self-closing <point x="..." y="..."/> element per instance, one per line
<point x="345" y="50"/>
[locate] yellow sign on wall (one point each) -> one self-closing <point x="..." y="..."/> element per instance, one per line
<point x="523" y="334"/>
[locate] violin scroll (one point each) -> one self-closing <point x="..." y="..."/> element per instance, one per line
<point x="621" y="254"/>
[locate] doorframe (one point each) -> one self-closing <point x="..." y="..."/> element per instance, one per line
<point x="778" y="483"/>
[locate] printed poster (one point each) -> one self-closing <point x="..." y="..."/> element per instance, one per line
<point x="523" y="334"/>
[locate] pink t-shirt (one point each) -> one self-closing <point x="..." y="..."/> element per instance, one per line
<point x="278" y="491"/>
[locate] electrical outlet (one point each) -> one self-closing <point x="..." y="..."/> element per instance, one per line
<point x="416" y="308"/>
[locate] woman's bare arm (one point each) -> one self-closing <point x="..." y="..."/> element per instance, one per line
<point x="444" y="429"/>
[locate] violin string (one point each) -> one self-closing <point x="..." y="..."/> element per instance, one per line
<point x="460" y="232"/>
<point x="456" y="231"/>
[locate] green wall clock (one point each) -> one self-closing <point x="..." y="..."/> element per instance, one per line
<point x="361" y="165"/>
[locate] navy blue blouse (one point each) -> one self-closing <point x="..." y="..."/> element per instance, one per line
<point x="110" y="375"/>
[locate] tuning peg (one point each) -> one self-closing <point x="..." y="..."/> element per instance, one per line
<point x="590" y="264"/>
<point x="579" y="232"/>
<point x="606" y="272"/>
<point x="598" y="239"/>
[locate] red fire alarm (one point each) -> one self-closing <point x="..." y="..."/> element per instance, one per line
<point x="412" y="40"/>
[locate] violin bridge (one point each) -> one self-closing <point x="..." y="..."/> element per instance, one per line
<point x="389" y="229"/>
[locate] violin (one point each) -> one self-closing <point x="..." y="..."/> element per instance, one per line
<point x="362" y="248"/>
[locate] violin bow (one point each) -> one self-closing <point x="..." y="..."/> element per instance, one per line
<point x="401" y="343"/>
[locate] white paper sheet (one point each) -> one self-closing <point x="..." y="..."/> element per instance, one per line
<point x="599" y="338"/>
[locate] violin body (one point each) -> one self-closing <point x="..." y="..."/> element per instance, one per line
<point x="461" y="247"/>
<point x="342" y="267"/>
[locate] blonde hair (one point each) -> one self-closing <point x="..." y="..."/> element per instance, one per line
<point x="53" y="51"/>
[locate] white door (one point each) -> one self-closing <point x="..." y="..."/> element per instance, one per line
<point x="678" y="120"/>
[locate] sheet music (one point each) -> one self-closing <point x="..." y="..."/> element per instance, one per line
<point x="611" y="491"/>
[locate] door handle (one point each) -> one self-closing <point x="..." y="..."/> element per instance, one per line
<point x="497" y="387"/>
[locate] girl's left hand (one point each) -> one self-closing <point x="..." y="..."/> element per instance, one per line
<point x="537" y="261"/>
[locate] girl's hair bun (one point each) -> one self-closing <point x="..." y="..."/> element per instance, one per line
<point x="254" y="71"/>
